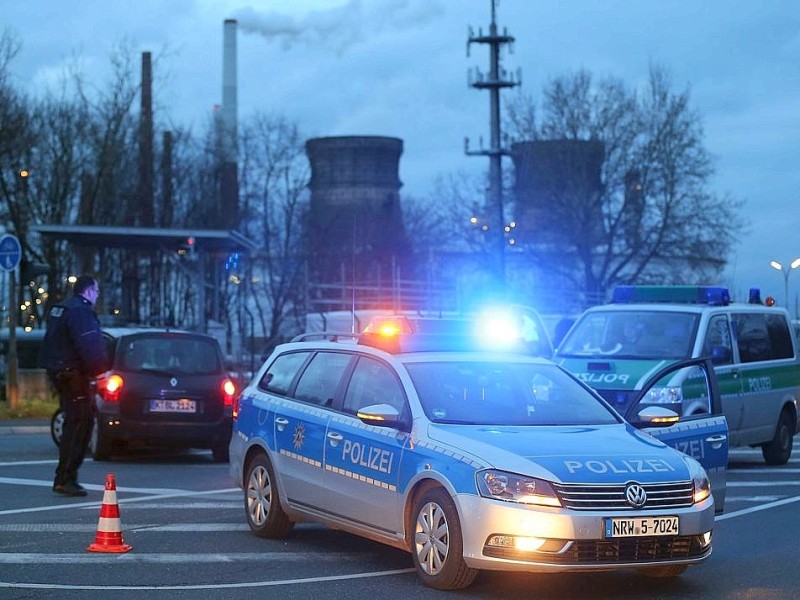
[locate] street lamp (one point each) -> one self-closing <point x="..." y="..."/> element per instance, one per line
<point x="778" y="266"/>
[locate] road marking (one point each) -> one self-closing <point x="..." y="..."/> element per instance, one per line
<point x="17" y="463"/>
<point x="80" y="527"/>
<point x="765" y="471"/>
<point x="752" y="509"/>
<point x="27" y="558"/>
<point x="730" y="484"/>
<point x="177" y="494"/>
<point x="210" y="586"/>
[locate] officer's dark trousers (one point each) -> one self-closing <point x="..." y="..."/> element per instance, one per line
<point x="78" y="417"/>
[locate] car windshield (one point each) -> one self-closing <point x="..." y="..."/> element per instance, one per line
<point x="504" y="393"/>
<point x="632" y="334"/>
<point x="171" y="354"/>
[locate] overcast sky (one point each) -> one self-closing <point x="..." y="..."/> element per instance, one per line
<point x="399" y="68"/>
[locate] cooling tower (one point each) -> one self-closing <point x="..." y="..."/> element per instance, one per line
<point x="355" y="210"/>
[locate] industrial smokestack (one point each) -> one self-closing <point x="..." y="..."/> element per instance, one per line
<point x="229" y="116"/>
<point x="145" y="204"/>
<point x="230" y="178"/>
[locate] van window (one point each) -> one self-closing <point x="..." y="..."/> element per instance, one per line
<point x="718" y="335"/>
<point x="762" y="337"/>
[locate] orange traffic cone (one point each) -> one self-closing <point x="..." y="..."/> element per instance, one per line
<point x="109" y="534"/>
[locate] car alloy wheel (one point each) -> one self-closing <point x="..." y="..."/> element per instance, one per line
<point x="265" y="515"/>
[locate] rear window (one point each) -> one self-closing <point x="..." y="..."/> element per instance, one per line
<point x="172" y="354"/>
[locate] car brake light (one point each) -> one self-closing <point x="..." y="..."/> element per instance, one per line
<point x="228" y="392"/>
<point x="109" y="387"/>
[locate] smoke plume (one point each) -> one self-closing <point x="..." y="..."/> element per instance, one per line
<point x="342" y="26"/>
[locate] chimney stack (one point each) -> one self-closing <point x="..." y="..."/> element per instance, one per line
<point x="230" y="177"/>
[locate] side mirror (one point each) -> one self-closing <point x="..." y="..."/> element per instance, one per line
<point x="380" y="415"/>
<point x="657" y="416"/>
<point x="720" y="355"/>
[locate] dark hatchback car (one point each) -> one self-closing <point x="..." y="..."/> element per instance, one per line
<point x="165" y="389"/>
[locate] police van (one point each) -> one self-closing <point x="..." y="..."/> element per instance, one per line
<point x="615" y="347"/>
<point x="470" y="452"/>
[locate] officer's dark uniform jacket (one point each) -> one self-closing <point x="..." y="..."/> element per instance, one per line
<point x="73" y="340"/>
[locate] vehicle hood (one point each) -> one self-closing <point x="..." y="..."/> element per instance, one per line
<point x="603" y="373"/>
<point x="569" y="454"/>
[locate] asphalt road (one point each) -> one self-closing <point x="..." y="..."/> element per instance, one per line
<point x="184" y="520"/>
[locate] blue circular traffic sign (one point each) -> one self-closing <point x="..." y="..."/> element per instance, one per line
<point x="10" y="252"/>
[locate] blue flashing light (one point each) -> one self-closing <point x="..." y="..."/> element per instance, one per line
<point x="497" y="332"/>
<point x="678" y="294"/>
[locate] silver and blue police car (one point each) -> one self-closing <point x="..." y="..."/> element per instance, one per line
<point x="472" y="458"/>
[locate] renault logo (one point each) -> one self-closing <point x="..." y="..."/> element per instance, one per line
<point x="173" y="382"/>
<point x="635" y="495"/>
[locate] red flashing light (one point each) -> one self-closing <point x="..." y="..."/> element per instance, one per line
<point x="389" y="326"/>
<point x="109" y="387"/>
<point x="228" y="392"/>
<point x="770" y="301"/>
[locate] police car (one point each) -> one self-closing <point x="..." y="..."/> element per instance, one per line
<point x="472" y="454"/>
<point x="616" y="347"/>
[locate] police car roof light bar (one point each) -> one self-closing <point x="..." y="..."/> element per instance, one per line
<point x="679" y="294"/>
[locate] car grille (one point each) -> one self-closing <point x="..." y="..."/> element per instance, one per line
<point x="612" y="497"/>
<point x="629" y="550"/>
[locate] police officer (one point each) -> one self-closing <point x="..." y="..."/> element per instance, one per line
<point x="74" y="351"/>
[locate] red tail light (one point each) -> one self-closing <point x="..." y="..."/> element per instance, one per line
<point x="228" y="392"/>
<point x="109" y="387"/>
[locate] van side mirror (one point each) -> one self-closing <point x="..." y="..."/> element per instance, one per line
<point x="720" y="355"/>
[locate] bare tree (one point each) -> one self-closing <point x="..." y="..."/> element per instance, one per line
<point x="274" y="175"/>
<point x="654" y="218"/>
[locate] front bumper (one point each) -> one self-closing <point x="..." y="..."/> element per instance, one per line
<point x="576" y="539"/>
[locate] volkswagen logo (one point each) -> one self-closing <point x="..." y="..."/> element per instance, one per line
<point x="173" y="382"/>
<point x="635" y="495"/>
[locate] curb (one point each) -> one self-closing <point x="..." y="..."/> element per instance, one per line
<point x="9" y="427"/>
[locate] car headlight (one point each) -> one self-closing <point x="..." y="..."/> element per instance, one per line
<point x="664" y="395"/>
<point x="500" y="485"/>
<point x="701" y="484"/>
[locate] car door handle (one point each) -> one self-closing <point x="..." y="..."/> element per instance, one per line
<point x="335" y="438"/>
<point x="716" y="440"/>
<point x="281" y="422"/>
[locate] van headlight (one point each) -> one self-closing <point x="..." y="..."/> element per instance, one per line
<point x="510" y="487"/>
<point x="664" y="395"/>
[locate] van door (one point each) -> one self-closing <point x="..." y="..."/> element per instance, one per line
<point x="768" y="372"/>
<point x="703" y="436"/>
<point x="718" y="344"/>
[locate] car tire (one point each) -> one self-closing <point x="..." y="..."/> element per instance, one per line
<point x="99" y="444"/>
<point x="220" y="452"/>
<point x="779" y="450"/>
<point x="262" y="504"/>
<point x="57" y="426"/>
<point x="437" y="546"/>
<point x="660" y="572"/>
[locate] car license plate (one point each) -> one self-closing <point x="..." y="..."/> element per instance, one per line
<point x="184" y="405"/>
<point x="641" y="526"/>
